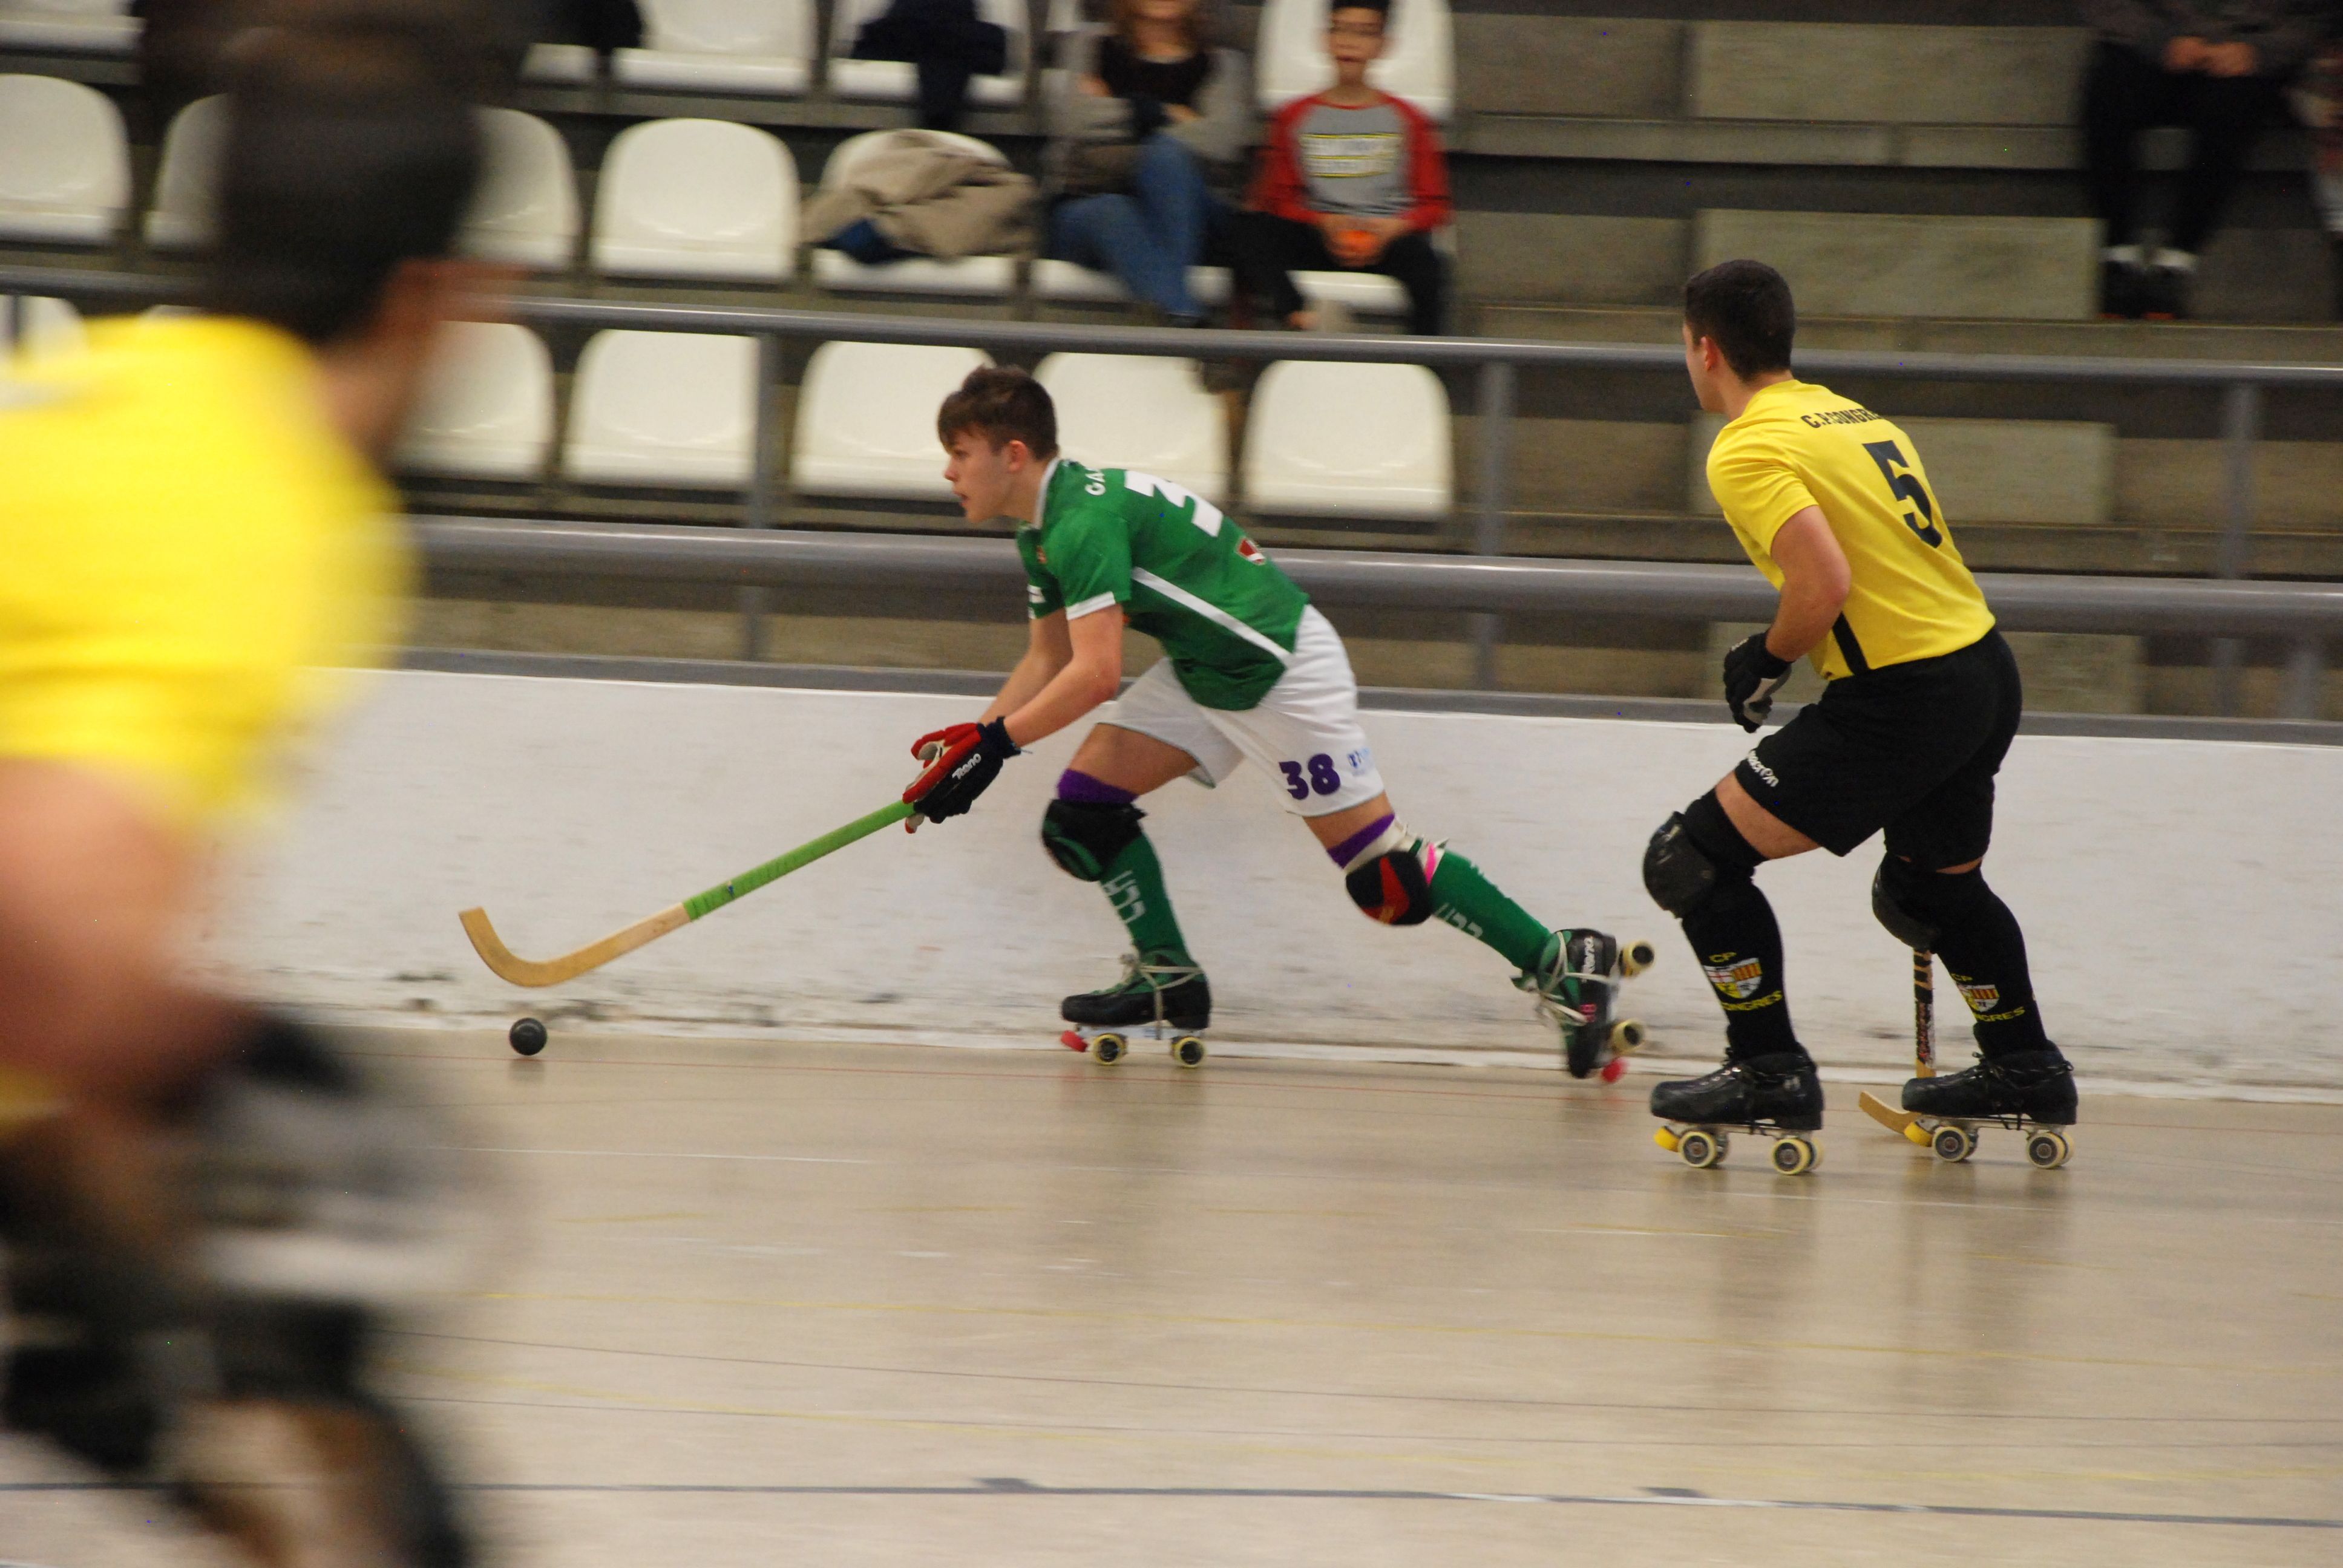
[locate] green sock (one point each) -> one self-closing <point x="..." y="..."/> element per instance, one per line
<point x="1464" y="898"/>
<point x="1133" y="884"/>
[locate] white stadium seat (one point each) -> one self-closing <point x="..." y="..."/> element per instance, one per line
<point x="1349" y="440"/>
<point x="1360" y="293"/>
<point x="181" y="217"/>
<point x="43" y="327"/>
<point x="764" y="46"/>
<point x="525" y="211"/>
<point x="967" y="275"/>
<point x="571" y="64"/>
<point x="867" y="419"/>
<point x="65" y="161"/>
<point x="897" y="82"/>
<point x="486" y="406"/>
<point x="1137" y="411"/>
<point x="697" y="198"/>
<point x="664" y="409"/>
<point x="1420" y="64"/>
<point x="85" y="27"/>
<point x="1068" y="283"/>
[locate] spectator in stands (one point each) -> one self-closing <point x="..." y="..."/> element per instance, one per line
<point x="2319" y="98"/>
<point x="1148" y="128"/>
<point x="2216" y="66"/>
<point x="1351" y="177"/>
<point x="947" y="42"/>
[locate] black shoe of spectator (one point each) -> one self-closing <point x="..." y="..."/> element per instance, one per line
<point x="2163" y="294"/>
<point x="2119" y="290"/>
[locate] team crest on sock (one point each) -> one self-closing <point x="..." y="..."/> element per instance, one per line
<point x="1735" y="976"/>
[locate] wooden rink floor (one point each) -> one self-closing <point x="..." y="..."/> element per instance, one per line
<point x="865" y="1304"/>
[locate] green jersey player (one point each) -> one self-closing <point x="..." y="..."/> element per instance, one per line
<point x="1252" y="673"/>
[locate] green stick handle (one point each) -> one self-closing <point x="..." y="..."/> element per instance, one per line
<point x="805" y="854"/>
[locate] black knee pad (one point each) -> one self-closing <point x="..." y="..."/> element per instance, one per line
<point x="1084" y="838"/>
<point x="1915" y="906"/>
<point x="1393" y="888"/>
<point x="1695" y="851"/>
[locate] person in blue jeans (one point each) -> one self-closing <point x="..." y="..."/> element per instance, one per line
<point x="1149" y="125"/>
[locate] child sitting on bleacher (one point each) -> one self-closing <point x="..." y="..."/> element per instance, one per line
<point x="1351" y="178"/>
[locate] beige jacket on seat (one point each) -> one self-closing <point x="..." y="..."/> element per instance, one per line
<point x="927" y="195"/>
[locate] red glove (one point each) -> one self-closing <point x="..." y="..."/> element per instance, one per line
<point x="963" y="759"/>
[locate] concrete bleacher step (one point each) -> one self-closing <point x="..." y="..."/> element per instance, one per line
<point x="1891" y="264"/>
<point x="1884" y="74"/>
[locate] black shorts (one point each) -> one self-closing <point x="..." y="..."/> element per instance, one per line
<point x="1911" y="748"/>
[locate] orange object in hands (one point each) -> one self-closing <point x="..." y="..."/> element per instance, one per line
<point x="1354" y="246"/>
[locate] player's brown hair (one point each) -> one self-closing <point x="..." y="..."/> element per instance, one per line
<point x="1744" y="308"/>
<point x="1002" y="404"/>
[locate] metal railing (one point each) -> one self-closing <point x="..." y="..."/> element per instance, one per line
<point x="1497" y="363"/>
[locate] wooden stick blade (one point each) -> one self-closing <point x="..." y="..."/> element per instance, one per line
<point x="507" y="965"/>
<point x="1889" y="1116"/>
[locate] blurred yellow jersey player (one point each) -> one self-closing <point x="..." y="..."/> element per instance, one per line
<point x="1798" y="444"/>
<point x="192" y="547"/>
<point x="193" y="536"/>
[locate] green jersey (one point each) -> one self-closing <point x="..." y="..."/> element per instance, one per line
<point x="1181" y="572"/>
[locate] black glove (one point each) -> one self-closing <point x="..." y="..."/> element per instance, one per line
<point x="962" y="761"/>
<point x="1752" y="675"/>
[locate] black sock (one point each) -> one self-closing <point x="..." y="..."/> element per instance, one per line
<point x="1733" y="935"/>
<point x="1979" y="941"/>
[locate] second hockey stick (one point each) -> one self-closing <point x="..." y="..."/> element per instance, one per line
<point x="523" y="971"/>
<point x="1923" y="1043"/>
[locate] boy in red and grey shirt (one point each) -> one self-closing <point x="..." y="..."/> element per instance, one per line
<point x="1351" y="178"/>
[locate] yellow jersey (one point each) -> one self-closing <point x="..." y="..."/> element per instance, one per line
<point x="189" y="549"/>
<point x="1798" y="445"/>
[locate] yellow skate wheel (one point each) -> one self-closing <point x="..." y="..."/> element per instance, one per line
<point x="1666" y="1137"/>
<point x="2048" y="1149"/>
<point x="1701" y="1149"/>
<point x="1952" y="1144"/>
<point x="1109" y="1049"/>
<point x="1627" y="1035"/>
<point x="1916" y="1134"/>
<point x="1188" y="1050"/>
<point x="1637" y="956"/>
<point x="1795" y="1156"/>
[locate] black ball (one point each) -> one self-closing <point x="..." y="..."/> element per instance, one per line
<point x="527" y="1036"/>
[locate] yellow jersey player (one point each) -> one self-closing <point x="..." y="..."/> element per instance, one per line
<point x="1834" y="507"/>
<point x="194" y="527"/>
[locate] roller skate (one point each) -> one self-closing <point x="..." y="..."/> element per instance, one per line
<point x="1776" y="1095"/>
<point x="1159" y="998"/>
<point x="2029" y="1091"/>
<point x="1577" y="988"/>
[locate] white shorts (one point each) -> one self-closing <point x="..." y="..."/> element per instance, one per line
<point x="1304" y="734"/>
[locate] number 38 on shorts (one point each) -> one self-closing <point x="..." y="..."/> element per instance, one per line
<point x="1315" y="777"/>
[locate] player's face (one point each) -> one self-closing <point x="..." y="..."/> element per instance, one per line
<point x="1354" y="36"/>
<point x="1161" y="11"/>
<point x="979" y="475"/>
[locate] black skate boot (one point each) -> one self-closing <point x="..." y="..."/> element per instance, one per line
<point x="2029" y="1091"/>
<point x="1162" y="995"/>
<point x="1577" y="988"/>
<point x="1777" y="1095"/>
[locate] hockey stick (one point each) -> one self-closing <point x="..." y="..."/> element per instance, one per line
<point x="1923" y="1043"/>
<point x="594" y="955"/>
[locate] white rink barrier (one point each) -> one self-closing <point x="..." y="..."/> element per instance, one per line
<point x="2183" y="898"/>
